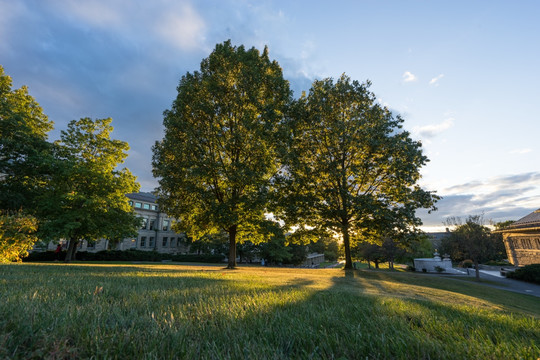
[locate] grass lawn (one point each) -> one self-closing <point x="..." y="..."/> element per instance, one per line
<point x="175" y="311"/>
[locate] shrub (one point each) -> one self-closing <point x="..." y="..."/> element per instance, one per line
<point x="467" y="263"/>
<point x="411" y="268"/>
<point x="439" y="269"/>
<point x="529" y="273"/>
<point x="126" y="255"/>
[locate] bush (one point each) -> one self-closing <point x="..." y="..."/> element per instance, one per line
<point x="127" y="255"/>
<point x="467" y="264"/>
<point x="411" y="268"/>
<point x="439" y="269"/>
<point x="529" y="273"/>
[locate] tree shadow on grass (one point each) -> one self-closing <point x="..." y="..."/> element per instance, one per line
<point x="216" y="314"/>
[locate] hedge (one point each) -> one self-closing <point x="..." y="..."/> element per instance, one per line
<point x="127" y="255"/>
<point x="529" y="273"/>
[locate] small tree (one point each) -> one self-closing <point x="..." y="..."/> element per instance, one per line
<point x="470" y="240"/>
<point x="86" y="198"/>
<point x="17" y="236"/>
<point x="369" y="252"/>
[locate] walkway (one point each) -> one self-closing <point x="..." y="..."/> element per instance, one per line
<point x="500" y="282"/>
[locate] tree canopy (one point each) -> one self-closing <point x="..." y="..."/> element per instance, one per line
<point x="85" y="198"/>
<point x="25" y="156"/>
<point x="350" y="167"/>
<point x="472" y="240"/>
<point x="217" y="158"/>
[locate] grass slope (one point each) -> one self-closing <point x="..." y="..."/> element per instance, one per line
<point x="171" y="311"/>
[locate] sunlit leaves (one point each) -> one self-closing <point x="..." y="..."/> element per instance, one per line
<point x="218" y="155"/>
<point x="17" y="236"/>
<point x="350" y="166"/>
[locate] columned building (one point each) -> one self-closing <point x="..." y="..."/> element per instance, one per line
<point x="522" y="240"/>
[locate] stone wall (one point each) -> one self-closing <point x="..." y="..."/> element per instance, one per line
<point x="522" y="248"/>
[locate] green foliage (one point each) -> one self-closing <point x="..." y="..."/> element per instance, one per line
<point x="350" y="166"/>
<point x="17" y="236"/>
<point x="217" y="158"/>
<point x="25" y="156"/>
<point x="529" y="273"/>
<point x="472" y="240"/>
<point x="86" y="196"/>
<point x="325" y="245"/>
<point x="439" y="269"/>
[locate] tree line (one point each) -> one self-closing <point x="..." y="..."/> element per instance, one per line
<point x="240" y="156"/>
<point x="238" y="146"/>
<point x="67" y="189"/>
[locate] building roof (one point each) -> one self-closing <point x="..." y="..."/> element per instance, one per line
<point x="530" y="221"/>
<point x="143" y="196"/>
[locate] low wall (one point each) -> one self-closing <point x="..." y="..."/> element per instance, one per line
<point x="431" y="263"/>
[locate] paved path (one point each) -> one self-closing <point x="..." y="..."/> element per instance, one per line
<point x="499" y="282"/>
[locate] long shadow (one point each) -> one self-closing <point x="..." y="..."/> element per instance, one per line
<point x="218" y="315"/>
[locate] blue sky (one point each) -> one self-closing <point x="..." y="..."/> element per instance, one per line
<point x="463" y="74"/>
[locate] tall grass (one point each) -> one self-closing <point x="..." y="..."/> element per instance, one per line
<point x="168" y="311"/>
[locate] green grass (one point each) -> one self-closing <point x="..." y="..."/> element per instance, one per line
<point x="146" y="311"/>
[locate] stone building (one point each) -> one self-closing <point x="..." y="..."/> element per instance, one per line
<point x="522" y="240"/>
<point x="155" y="233"/>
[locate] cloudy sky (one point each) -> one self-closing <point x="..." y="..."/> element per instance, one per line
<point x="463" y="74"/>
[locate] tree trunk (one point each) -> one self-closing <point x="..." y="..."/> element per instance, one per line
<point x="347" y="246"/>
<point x="72" y="248"/>
<point x="376" y="263"/>
<point x="232" y="247"/>
<point x="477" y="270"/>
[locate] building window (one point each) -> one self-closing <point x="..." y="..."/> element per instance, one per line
<point x="138" y="205"/>
<point x="146" y="206"/>
<point x="144" y="223"/>
<point x="130" y="203"/>
<point x="152" y="224"/>
<point x="154" y="207"/>
<point x="173" y="242"/>
<point x="151" y="241"/>
<point x="143" y="241"/>
<point x="165" y="239"/>
<point x="165" y="225"/>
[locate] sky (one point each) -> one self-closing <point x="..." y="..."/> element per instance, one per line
<point x="463" y="74"/>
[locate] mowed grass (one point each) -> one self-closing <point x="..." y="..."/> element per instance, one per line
<point x="143" y="311"/>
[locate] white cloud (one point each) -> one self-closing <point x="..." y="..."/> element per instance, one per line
<point x="183" y="29"/>
<point x="435" y="80"/>
<point x="507" y="197"/>
<point x="520" y="151"/>
<point x="93" y="12"/>
<point x="435" y="129"/>
<point x="409" y="77"/>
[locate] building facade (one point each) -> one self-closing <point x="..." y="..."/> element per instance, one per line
<point x="155" y="233"/>
<point x="522" y="240"/>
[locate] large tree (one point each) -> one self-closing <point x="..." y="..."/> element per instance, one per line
<point x="85" y="199"/>
<point x="25" y="156"/>
<point x="351" y="167"/>
<point x="217" y="158"/>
